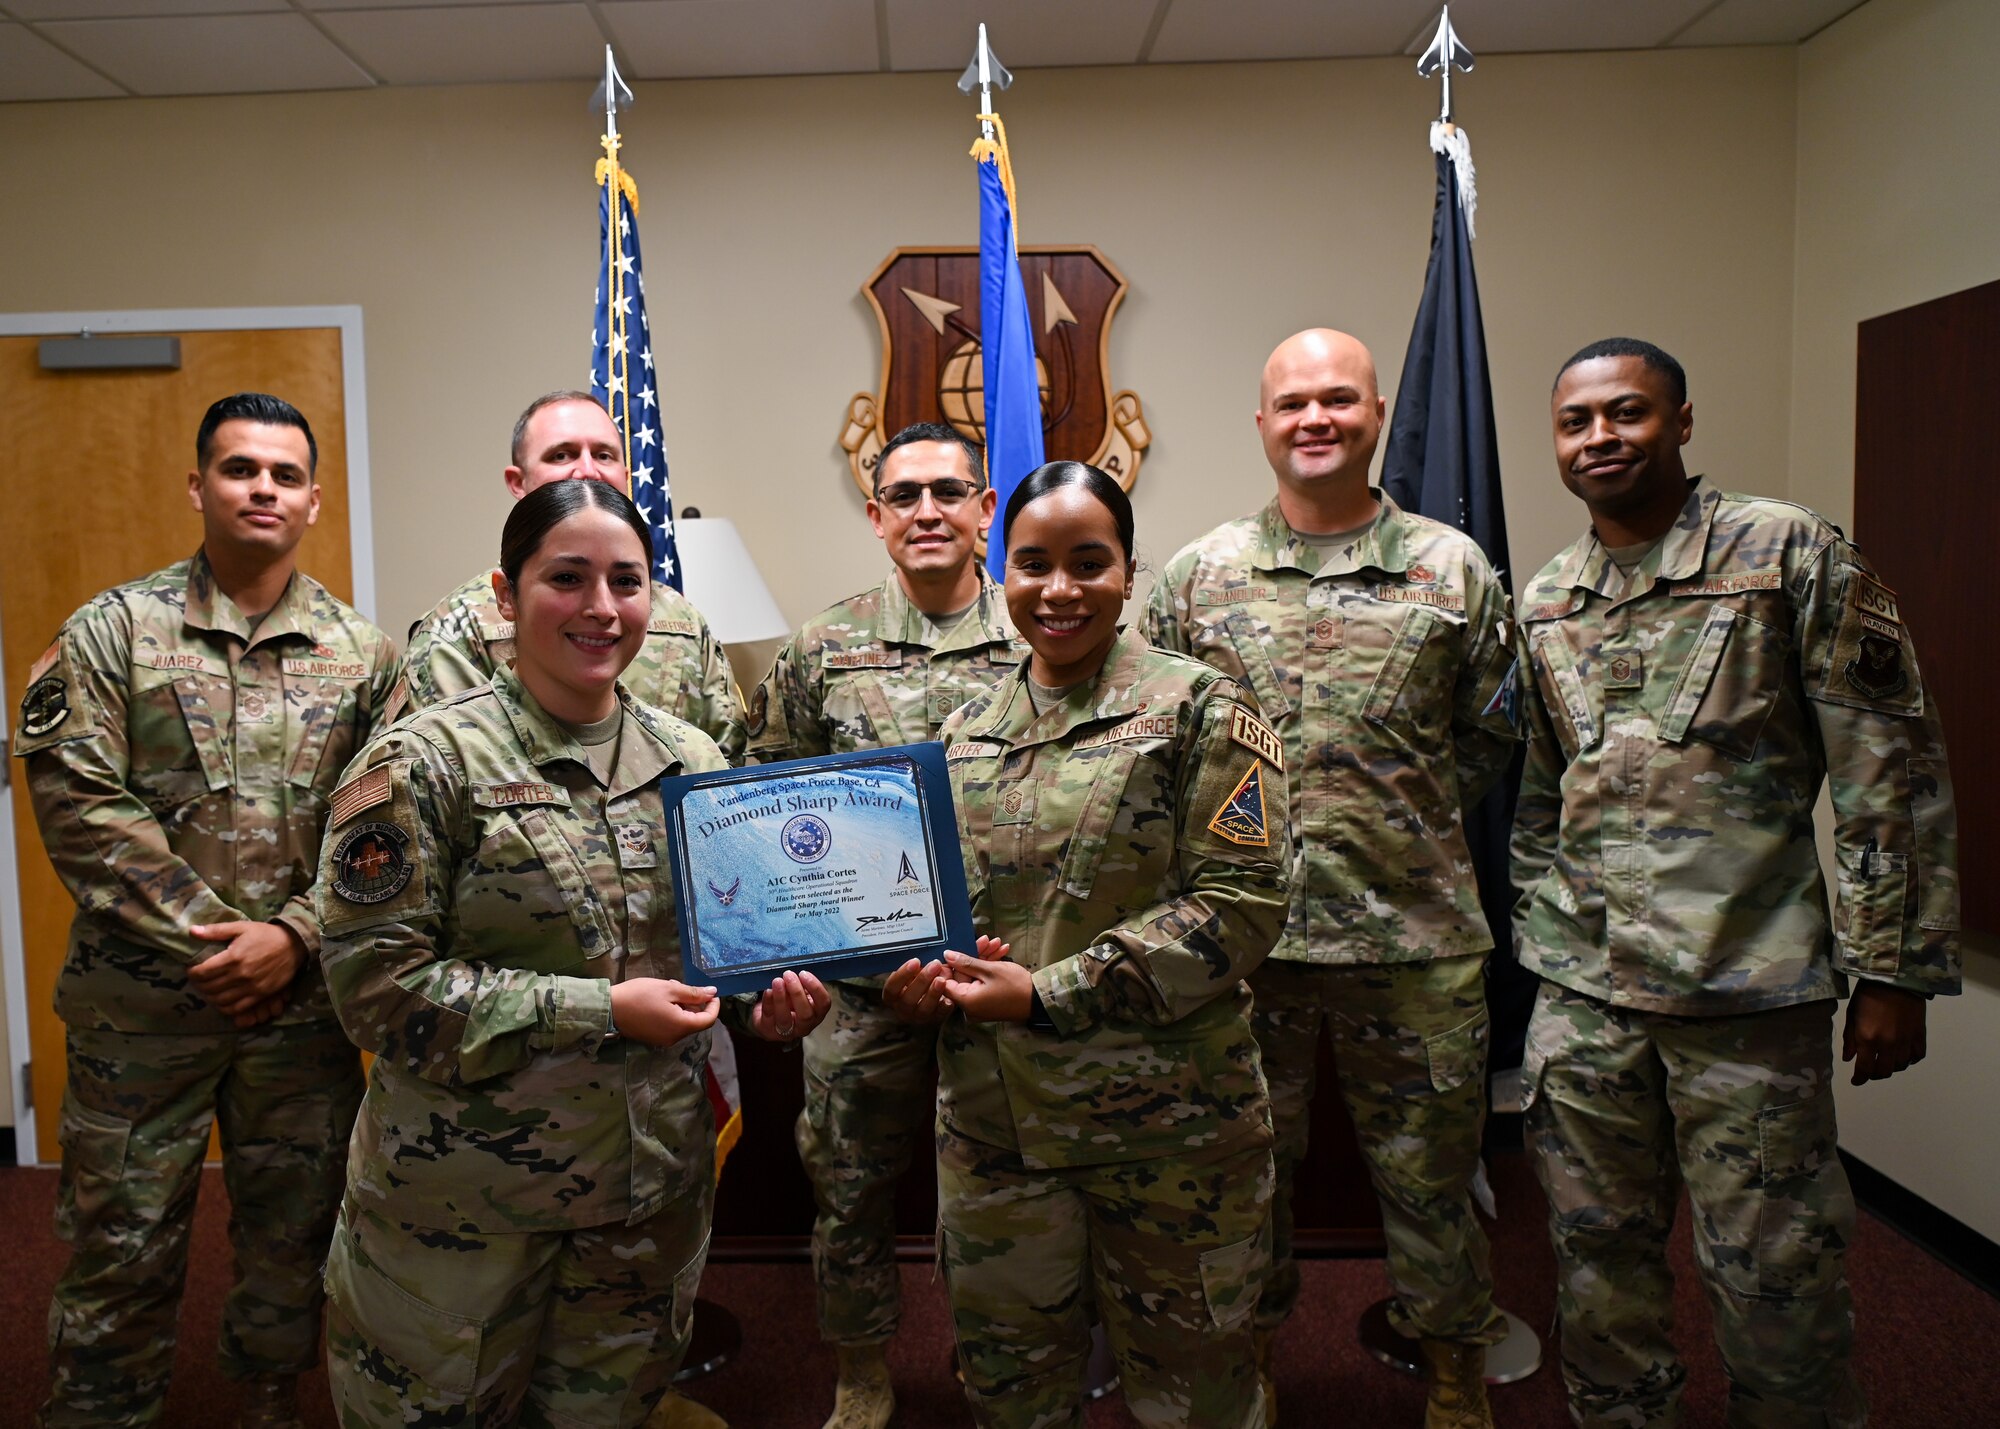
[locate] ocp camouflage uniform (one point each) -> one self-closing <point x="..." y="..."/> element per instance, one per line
<point x="179" y="763"/>
<point x="867" y="673"/>
<point x="1384" y="667"/>
<point x="1681" y="724"/>
<point x="1129" y="845"/>
<point x="681" y="668"/>
<point x="528" y="1203"/>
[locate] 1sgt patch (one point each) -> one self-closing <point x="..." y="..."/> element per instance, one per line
<point x="45" y="705"/>
<point x="1257" y="737"/>
<point x="371" y="864"/>
<point x="1242" y="818"/>
<point x="1871" y="665"/>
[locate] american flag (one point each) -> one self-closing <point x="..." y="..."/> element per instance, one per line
<point x="621" y="360"/>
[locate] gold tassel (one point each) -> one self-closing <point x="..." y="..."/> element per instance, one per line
<point x="995" y="149"/>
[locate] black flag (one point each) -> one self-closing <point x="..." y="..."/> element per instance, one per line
<point x="1443" y="461"/>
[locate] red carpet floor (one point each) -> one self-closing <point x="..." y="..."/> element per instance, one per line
<point x="1926" y="1335"/>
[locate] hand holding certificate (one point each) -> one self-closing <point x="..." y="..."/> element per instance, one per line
<point x="846" y="864"/>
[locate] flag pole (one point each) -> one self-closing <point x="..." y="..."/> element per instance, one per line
<point x="619" y="387"/>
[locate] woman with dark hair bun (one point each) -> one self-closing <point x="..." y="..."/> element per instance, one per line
<point x="531" y="1177"/>
<point x="1103" y="1130"/>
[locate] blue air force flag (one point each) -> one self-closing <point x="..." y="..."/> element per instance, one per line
<point x="621" y="363"/>
<point x="1013" y="393"/>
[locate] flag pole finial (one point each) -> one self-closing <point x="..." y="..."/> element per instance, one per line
<point x="985" y="73"/>
<point x="1445" y="55"/>
<point x="610" y="91"/>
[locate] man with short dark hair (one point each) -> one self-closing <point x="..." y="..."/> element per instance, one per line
<point x="681" y="669"/>
<point x="881" y="668"/>
<point x="183" y="736"/>
<point x="1695" y="668"/>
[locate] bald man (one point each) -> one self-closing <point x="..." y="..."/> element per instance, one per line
<point x="1378" y="644"/>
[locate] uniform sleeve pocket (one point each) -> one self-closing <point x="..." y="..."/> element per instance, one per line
<point x="1936" y="818"/>
<point x="441" y="1348"/>
<point x="1870" y="917"/>
<point x="1232" y="1276"/>
<point x="1458" y="1056"/>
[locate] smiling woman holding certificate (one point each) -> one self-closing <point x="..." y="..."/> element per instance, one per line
<point x="1103" y="1131"/>
<point x="531" y="1177"/>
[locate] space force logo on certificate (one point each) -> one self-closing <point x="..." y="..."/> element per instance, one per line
<point x="845" y="865"/>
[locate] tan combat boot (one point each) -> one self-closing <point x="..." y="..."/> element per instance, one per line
<point x="1455" y="1375"/>
<point x="864" y="1398"/>
<point x="270" y="1401"/>
<point x="1262" y="1339"/>
<point x="677" y="1411"/>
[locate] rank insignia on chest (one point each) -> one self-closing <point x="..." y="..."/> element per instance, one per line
<point x="371" y="864"/>
<point x="635" y="846"/>
<point x="1624" y="669"/>
<point x="1243" y="818"/>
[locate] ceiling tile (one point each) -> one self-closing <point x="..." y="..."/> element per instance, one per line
<point x="1198" y="30"/>
<point x="1764" y="22"/>
<point x="1026" y="34"/>
<point x="473" y="44"/>
<point x="670" y="39"/>
<point x="131" y="9"/>
<point x="32" y="68"/>
<point x="330" y="5"/>
<point x="211" y="54"/>
<point x="1509" y="26"/>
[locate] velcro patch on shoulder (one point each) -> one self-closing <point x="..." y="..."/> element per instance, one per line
<point x="360" y="793"/>
<point x="45" y="662"/>
<point x="1161" y="726"/>
<point x="1244" y="817"/>
<point x="1234" y="595"/>
<point x="974" y="749"/>
<point x="371" y="863"/>
<point x="869" y="658"/>
<point x="1730" y="583"/>
<point x="1257" y="737"/>
<point x="506" y="796"/>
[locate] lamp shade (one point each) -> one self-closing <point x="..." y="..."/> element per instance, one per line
<point x="718" y="575"/>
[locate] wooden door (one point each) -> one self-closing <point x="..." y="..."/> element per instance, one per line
<point x="1926" y="507"/>
<point x="96" y="495"/>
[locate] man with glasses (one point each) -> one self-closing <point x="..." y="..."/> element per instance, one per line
<point x="882" y="668"/>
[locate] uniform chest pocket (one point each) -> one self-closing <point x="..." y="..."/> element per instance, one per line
<point x="1562" y="690"/>
<point x="858" y="712"/>
<point x="179" y="738"/>
<point x="323" y="717"/>
<point x="1727" y="688"/>
<point x="1412" y="692"/>
<point x="1117" y="811"/>
<point x="524" y="895"/>
<point x="1250" y="643"/>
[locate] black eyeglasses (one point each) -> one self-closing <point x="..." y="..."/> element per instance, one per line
<point x="946" y="492"/>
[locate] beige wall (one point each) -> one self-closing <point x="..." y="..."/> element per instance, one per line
<point x="1898" y="203"/>
<point x="1242" y="201"/>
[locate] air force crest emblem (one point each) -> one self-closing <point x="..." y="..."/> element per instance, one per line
<point x="926" y="301"/>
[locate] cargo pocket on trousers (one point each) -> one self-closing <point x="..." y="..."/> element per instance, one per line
<point x="686" y="1284"/>
<point x="1459" y="1056"/>
<point x="440" y="1348"/>
<point x="1804" y="1208"/>
<point x="94" y="1147"/>
<point x="1232" y="1277"/>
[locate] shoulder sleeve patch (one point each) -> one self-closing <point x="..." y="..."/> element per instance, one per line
<point x="371" y="863"/>
<point x="1873" y="664"/>
<point x="50" y="710"/>
<point x="1244" y="817"/>
<point x="360" y="793"/>
<point x="1257" y="737"/>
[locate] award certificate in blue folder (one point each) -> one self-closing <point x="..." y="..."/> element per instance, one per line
<point x="844" y="865"/>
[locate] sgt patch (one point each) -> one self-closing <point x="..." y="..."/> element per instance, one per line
<point x="364" y="791"/>
<point x="371" y="863"/>
<point x="45" y="705"/>
<point x="1257" y="737"/>
<point x="1242" y="818"/>
<point x="1870" y="664"/>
